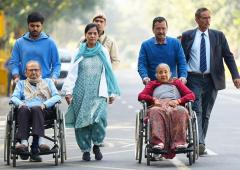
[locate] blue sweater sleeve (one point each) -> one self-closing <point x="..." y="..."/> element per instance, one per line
<point x="181" y="64"/>
<point x="14" y="61"/>
<point x="54" y="93"/>
<point x="17" y="95"/>
<point x="142" y="62"/>
<point x="56" y="63"/>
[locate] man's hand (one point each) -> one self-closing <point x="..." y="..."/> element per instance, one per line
<point x="237" y="83"/>
<point x="16" y="78"/>
<point x="111" y="99"/>
<point x="43" y="106"/>
<point x="68" y="98"/>
<point x="146" y="80"/>
<point x="183" y="79"/>
<point x="54" y="80"/>
<point x="21" y="105"/>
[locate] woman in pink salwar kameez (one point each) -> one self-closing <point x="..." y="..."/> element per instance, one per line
<point x="168" y="118"/>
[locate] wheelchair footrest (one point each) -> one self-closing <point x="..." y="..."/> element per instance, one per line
<point x="157" y="151"/>
<point x="177" y="151"/>
<point x="184" y="150"/>
<point x="53" y="150"/>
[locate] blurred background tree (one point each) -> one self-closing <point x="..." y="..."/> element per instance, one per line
<point x="16" y="12"/>
<point x="129" y="22"/>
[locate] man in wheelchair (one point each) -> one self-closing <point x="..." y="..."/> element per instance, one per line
<point x="168" y="118"/>
<point x="33" y="98"/>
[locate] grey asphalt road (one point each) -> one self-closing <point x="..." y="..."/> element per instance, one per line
<point x="222" y="141"/>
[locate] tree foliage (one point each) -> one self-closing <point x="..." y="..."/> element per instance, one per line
<point x="16" y="12"/>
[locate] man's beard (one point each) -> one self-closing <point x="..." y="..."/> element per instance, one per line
<point x="34" y="34"/>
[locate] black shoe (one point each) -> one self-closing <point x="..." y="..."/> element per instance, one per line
<point x="24" y="157"/>
<point x="97" y="152"/>
<point x="202" y="149"/>
<point x="35" y="158"/>
<point x="86" y="156"/>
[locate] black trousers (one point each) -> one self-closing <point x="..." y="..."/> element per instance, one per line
<point x="206" y="94"/>
<point x="31" y="117"/>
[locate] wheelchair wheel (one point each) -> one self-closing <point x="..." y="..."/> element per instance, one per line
<point x="7" y="142"/>
<point x="148" y="155"/>
<point x="190" y="141"/>
<point x="195" y="138"/>
<point x="55" y="155"/>
<point x="13" y="142"/>
<point x="139" y="136"/>
<point x="62" y="142"/>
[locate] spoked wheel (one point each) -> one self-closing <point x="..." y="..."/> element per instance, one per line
<point x="62" y="141"/>
<point x="55" y="155"/>
<point x="190" y="157"/>
<point x="148" y="154"/>
<point x="7" y="143"/>
<point x="139" y="137"/>
<point x="195" y="138"/>
<point x="14" y="156"/>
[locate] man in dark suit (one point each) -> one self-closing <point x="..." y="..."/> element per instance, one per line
<point x="205" y="50"/>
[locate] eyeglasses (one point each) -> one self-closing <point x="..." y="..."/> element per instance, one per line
<point x="31" y="70"/>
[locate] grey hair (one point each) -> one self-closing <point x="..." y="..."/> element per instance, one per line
<point x="33" y="61"/>
<point x="163" y="65"/>
<point x="199" y="11"/>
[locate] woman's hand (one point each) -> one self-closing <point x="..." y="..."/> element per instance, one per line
<point x="156" y="102"/>
<point x="68" y="98"/>
<point x="173" y="103"/>
<point x="111" y="99"/>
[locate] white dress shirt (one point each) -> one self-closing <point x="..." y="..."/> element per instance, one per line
<point x="193" y="64"/>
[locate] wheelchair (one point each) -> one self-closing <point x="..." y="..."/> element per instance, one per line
<point x="143" y="137"/>
<point x="56" y="123"/>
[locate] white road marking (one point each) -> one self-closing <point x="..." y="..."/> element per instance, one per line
<point x="2" y="123"/>
<point x="119" y="139"/>
<point x="120" y="127"/>
<point x="125" y="146"/>
<point x="180" y="165"/>
<point x="210" y="152"/>
<point x="130" y="106"/>
<point x="103" y="167"/>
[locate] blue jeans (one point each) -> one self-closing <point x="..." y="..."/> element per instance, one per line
<point x="205" y="93"/>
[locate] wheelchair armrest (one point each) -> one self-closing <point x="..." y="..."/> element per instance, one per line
<point x="13" y="105"/>
<point x="189" y="103"/>
<point x="144" y="104"/>
<point x="58" y="102"/>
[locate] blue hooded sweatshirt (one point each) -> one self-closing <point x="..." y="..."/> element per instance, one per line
<point x="43" y="50"/>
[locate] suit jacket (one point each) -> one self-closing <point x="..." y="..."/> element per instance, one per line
<point x="219" y="50"/>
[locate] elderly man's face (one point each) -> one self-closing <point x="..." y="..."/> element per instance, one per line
<point x="33" y="71"/>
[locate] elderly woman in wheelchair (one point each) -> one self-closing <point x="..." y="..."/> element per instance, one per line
<point x="166" y="112"/>
<point x="33" y="97"/>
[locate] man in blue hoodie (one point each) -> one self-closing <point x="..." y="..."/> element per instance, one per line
<point x="38" y="46"/>
<point x="35" y="45"/>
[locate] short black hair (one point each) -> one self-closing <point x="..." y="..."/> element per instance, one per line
<point x="35" y="17"/>
<point x="199" y="11"/>
<point x="159" y="19"/>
